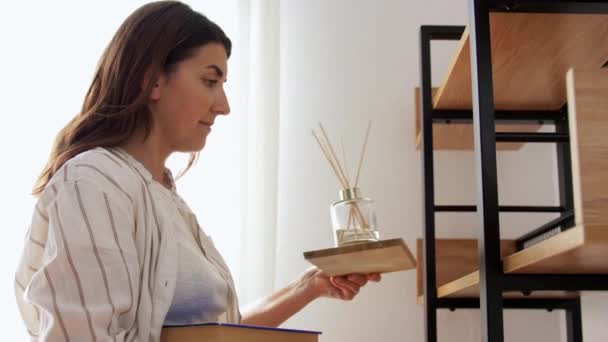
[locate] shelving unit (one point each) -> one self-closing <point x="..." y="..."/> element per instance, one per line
<point x="508" y="77"/>
<point x="457" y="265"/>
<point x="459" y="136"/>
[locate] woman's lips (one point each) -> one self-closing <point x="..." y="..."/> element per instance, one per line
<point x="205" y="124"/>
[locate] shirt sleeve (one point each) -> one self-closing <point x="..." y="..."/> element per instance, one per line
<point x="86" y="286"/>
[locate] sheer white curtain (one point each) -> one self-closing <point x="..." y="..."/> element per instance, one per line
<point x="49" y="53"/>
<point x="259" y="232"/>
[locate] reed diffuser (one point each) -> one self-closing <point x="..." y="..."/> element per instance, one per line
<point x="353" y="216"/>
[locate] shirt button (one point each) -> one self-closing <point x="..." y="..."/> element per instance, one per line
<point x="166" y="283"/>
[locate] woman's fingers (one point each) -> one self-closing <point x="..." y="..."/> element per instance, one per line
<point x="374" y="277"/>
<point x="349" y="289"/>
<point x="335" y="292"/>
<point x="359" y="279"/>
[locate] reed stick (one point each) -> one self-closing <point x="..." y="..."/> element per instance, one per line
<point x="333" y="160"/>
<point x="369" y="126"/>
<point x="333" y="153"/>
<point x="344" y="161"/>
<point x="326" y="154"/>
<point x="342" y="174"/>
<point x="364" y="223"/>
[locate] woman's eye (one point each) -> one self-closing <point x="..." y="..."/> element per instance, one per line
<point x="210" y="83"/>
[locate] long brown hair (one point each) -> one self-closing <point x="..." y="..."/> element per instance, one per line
<point x="153" y="39"/>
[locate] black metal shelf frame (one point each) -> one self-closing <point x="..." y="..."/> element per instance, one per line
<point x="493" y="282"/>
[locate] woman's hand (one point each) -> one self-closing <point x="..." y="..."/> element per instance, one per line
<point x="342" y="287"/>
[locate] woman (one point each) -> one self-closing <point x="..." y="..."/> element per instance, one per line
<point x="113" y="252"/>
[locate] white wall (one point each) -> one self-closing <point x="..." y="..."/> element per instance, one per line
<point x="344" y="62"/>
<point x="595" y="316"/>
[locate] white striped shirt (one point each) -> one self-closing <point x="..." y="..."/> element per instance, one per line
<point x="200" y="291"/>
<point x="100" y="257"/>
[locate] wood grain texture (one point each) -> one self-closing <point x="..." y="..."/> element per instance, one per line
<point x="468" y="287"/>
<point x="454" y="258"/>
<point x="223" y="333"/>
<point x="372" y="257"/>
<point x="530" y="54"/>
<point x="588" y="120"/>
<point x="460" y="136"/>
<point x="579" y="250"/>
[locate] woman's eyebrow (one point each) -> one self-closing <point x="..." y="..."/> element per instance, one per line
<point x="217" y="69"/>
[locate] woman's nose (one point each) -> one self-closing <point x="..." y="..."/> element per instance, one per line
<point x="222" y="106"/>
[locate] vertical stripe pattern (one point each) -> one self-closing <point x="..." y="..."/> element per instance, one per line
<point x="74" y="272"/>
<point x="99" y="259"/>
<point x="95" y="251"/>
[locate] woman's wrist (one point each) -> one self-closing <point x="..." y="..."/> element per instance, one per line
<point x="306" y="287"/>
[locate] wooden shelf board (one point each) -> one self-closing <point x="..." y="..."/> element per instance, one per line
<point x="579" y="250"/>
<point x="473" y="292"/>
<point x="454" y="258"/>
<point x="460" y="136"/>
<point x="371" y="257"/>
<point x="468" y="287"/>
<point x="587" y="106"/>
<point x="531" y="53"/>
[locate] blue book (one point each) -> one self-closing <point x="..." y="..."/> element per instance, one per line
<point x="226" y="332"/>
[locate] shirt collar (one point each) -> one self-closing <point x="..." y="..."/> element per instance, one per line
<point x="136" y="164"/>
<point x="143" y="171"/>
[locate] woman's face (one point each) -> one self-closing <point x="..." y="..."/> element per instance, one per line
<point x="186" y="102"/>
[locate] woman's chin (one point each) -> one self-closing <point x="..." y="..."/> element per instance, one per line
<point x="193" y="147"/>
<point x="198" y="147"/>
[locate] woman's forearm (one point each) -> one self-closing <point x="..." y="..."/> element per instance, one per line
<point x="281" y="305"/>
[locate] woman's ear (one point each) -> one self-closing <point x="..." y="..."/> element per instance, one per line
<point x="155" y="93"/>
<point x="156" y="86"/>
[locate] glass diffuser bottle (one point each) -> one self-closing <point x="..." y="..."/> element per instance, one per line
<point x="353" y="218"/>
